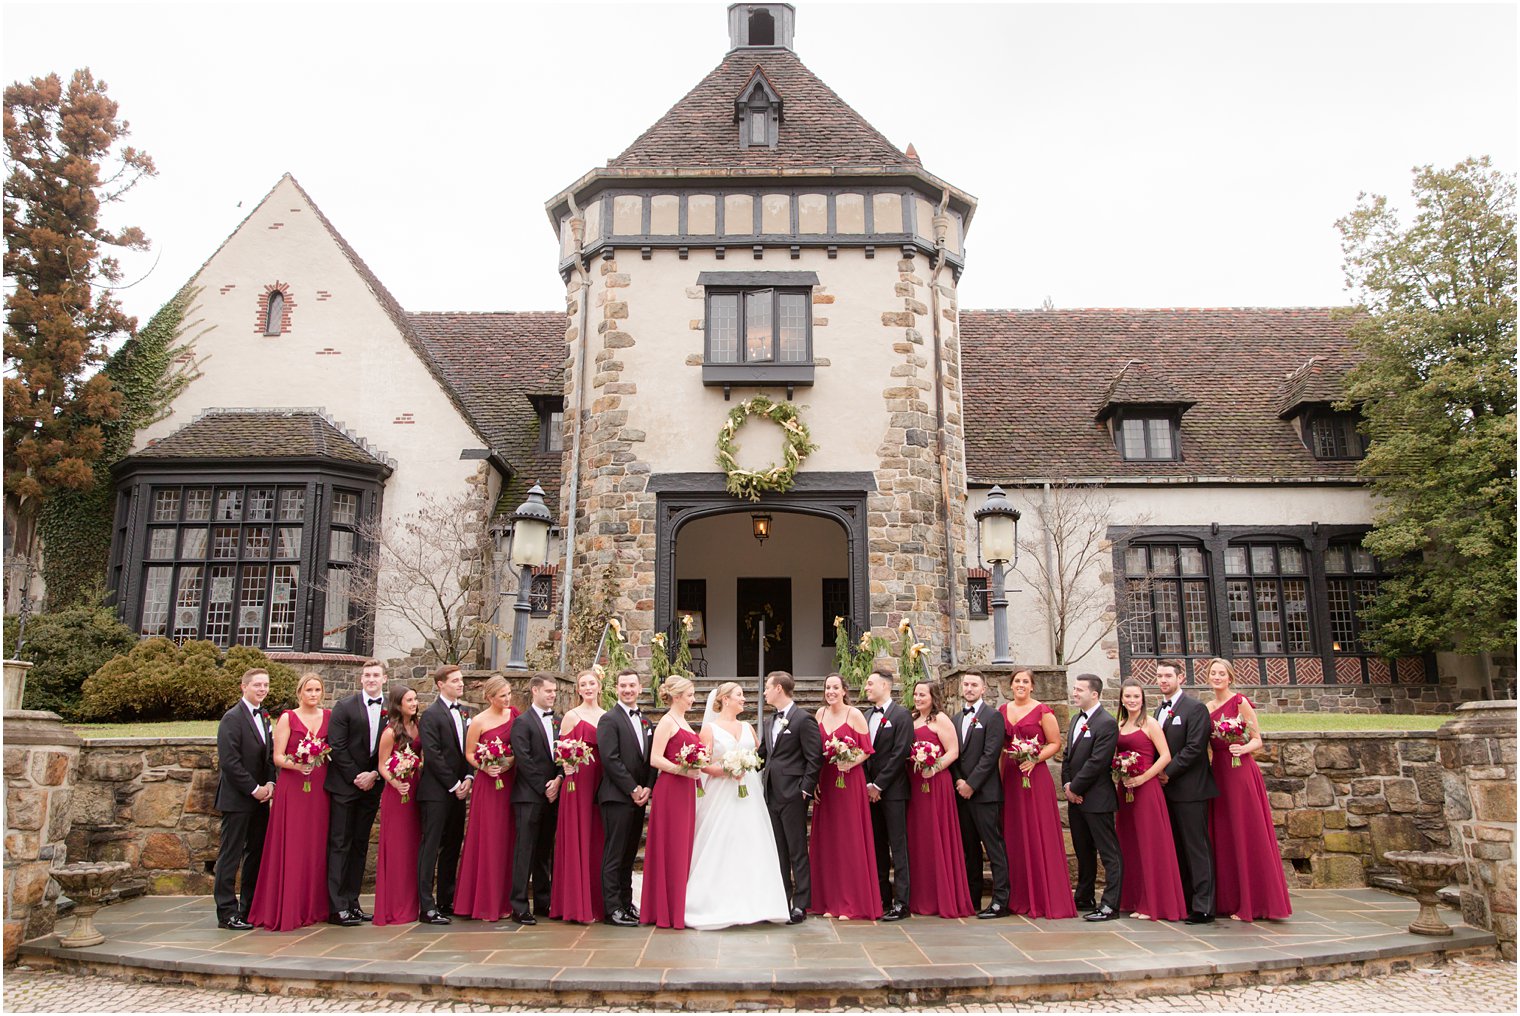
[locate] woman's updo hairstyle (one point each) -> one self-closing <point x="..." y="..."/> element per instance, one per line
<point x="675" y="685"/>
<point x="725" y="690"/>
<point x="493" y="685"/>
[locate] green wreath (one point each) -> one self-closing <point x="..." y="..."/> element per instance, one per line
<point x="775" y="479"/>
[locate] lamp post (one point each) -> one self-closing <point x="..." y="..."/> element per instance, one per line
<point x="530" y="548"/>
<point x="997" y="524"/>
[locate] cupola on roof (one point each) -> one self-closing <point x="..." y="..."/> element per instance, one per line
<point x="752" y="26"/>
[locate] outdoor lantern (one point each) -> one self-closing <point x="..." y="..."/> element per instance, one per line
<point x="998" y="524"/>
<point x="530" y="548"/>
<point x="530" y="531"/>
<point x="761" y="525"/>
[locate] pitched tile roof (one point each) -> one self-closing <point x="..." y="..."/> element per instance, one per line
<point x="818" y="128"/>
<point x="260" y="434"/>
<point x="493" y="363"/>
<point x="1311" y="384"/>
<point x="1138" y="385"/>
<point x="1031" y="380"/>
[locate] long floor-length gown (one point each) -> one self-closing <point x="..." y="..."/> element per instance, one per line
<point x="575" y="893"/>
<point x="1039" y="884"/>
<point x="935" y="854"/>
<point x="485" y="864"/>
<point x="667" y="845"/>
<point x="292" y="888"/>
<point x="1248" y="879"/>
<point x="842" y="849"/>
<point x="1152" y="884"/>
<point x="396" y="858"/>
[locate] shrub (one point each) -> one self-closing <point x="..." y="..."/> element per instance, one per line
<point x="158" y="680"/>
<point x="66" y="647"/>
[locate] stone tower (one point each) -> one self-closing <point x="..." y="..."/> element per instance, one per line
<point x="762" y="238"/>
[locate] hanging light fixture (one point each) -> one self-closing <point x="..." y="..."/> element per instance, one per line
<point x="760" y="525"/>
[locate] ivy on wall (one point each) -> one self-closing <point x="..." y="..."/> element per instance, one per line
<point x="149" y="370"/>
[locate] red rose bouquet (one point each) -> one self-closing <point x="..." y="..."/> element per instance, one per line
<point x="403" y="765"/>
<point x="1023" y="749"/>
<point x="841" y="752"/>
<point x="1125" y="763"/>
<point x="1232" y="730"/>
<point x="571" y="754"/>
<point x="924" y="756"/>
<point x="694" y="756"/>
<point x="312" y="751"/>
<point x="494" y="752"/>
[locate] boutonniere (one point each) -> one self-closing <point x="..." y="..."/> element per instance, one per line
<point x="382" y="715"/>
<point x="974" y="721"/>
<point x="464" y="714"/>
<point x="884" y="725"/>
<point x="782" y="723"/>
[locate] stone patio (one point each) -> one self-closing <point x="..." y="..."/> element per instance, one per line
<point x="1333" y="934"/>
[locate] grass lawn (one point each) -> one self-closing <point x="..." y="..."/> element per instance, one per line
<point x="1348" y="721"/>
<point x="168" y="728"/>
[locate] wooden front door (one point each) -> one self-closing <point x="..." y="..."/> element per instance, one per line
<point x="772" y="600"/>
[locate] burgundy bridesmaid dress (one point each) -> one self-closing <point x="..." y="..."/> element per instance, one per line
<point x="1039" y="884"/>
<point x="396" y="859"/>
<point x="292" y="889"/>
<point x="935" y="853"/>
<point x="1248" y="871"/>
<point x="1152" y="885"/>
<point x="485" y="865"/>
<point x="842" y="851"/>
<point x="667" y="846"/>
<point x="575" y="892"/>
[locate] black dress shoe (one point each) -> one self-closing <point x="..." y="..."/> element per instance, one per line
<point x="896" y="912"/>
<point x="797" y="916"/>
<point x="527" y="919"/>
<point x="360" y="914"/>
<point x="993" y="912"/>
<point x="622" y="919"/>
<point x="1102" y="914"/>
<point x="448" y="911"/>
<point x="234" y="923"/>
<point x="633" y="911"/>
<point x="433" y="917"/>
<point x="344" y="918"/>
<point x="1196" y="918"/>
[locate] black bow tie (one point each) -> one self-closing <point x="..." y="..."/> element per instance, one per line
<point x="546" y="715"/>
<point x="968" y="710"/>
<point x="871" y="710"/>
<point x="454" y="705"/>
<point x="634" y="712"/>
<point x="373" y="702"/>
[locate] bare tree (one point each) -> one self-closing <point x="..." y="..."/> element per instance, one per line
<point x="429" y="569"/>
<point x="1066" y="563"/>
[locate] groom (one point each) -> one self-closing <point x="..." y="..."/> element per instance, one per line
<point x="623" y="737"/>
<point x="793" y="750"/>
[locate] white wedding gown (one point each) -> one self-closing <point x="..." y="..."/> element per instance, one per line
<point x="735" y="876"/>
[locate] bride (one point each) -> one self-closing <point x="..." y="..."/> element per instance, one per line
<point x="733" y="836"/>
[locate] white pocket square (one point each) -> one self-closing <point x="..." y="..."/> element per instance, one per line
<point x="1176" y="721"/>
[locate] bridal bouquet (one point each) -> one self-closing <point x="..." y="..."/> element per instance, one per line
<point x="570" y="754"/>
<point x="842" y="753"/>
<point x="1232" y="730"/>
<point x="738" y="762"/>
<point x="1125" y="763"/>
<point x="694" y="756"/>
<point x="494" y="752"/>
<point x="924" y="756"/>
<point x="402" y="765"/>
<point x="1021" y="750"/>
<point x="312" y="751"/>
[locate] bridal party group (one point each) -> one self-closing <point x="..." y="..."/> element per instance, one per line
<point x="872" y="811"/>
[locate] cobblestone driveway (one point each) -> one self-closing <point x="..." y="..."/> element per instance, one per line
<point x="1460" y="986"/>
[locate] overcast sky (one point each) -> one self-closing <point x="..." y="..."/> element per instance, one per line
<point x="1122" y="155"/>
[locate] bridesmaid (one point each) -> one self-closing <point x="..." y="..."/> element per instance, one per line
<point x="292" y="889"/>
<point x="400" y="824"/>
<point x="672" y="812"/>
<point x="485" y="866"/>
<point x="934" y="828"/>
<point x="842" y="850"/>
<point x="1249" y="880"/>
<point x="575" y="892"/>
<point x="1152" y="886"/>
<point x="1038" y="880"/>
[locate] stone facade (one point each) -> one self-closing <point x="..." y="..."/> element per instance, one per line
<point x="41" y="757"/>
<point x="1478" y="759"/>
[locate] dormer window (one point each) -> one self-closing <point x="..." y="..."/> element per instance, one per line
<point x="1144" y="414"/>
<point x="551" y="422"/>
<point x="1147" y="436"/>
<point x="758" y="113"/>
<point x="1333" y="435"/>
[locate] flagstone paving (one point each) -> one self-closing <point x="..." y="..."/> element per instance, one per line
<point x="177" y="937"/>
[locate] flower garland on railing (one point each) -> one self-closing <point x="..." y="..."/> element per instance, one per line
<point x="854" y="662"/>
<point x="796" y="445"/>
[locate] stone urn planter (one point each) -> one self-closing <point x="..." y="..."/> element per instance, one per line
<point x="15" y="683"/>
<point x="85" y="883"/>
<point x="1428" y="873"/>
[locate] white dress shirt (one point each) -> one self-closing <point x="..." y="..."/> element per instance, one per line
<point x="966" y="718"/>
<point x="638" y="728"/>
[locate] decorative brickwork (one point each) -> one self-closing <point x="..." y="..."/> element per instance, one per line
<point x="288" y="303"/>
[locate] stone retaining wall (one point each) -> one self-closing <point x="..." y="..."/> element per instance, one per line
<point x="41" y="758"/>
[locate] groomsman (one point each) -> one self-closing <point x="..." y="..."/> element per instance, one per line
<point x="979" y="794"/>
<point x="245" y="764"/>
<point x="1188" y="782"/>
<point x="792" y="747"/>
<point x="442" y="787"/>
<point x="623" y="738"/>
<point x="534" y="792"/>
<point x="891" y="730"/>
<point x="1089" y="789"/>
<point x="353" y="787"/>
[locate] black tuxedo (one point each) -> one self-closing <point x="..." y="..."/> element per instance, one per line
<point x="1189" y="785"/>
<point x="790" y="777"/>
<point x="245" y="762"/>
<point x="353" y="810"/>
<point x="625" y="768"/>
<point x="1086" y="766"/>
<point x="981" y="744"/>
<point x="534" y="816"/>
<point x="441" y="812"/>
<point x="887" y="769"/>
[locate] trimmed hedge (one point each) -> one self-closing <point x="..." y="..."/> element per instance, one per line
<point x="159" y="680"/>
<point x="66" y="647"/>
